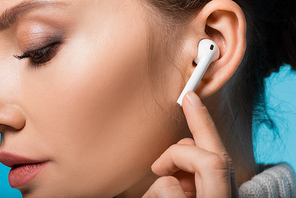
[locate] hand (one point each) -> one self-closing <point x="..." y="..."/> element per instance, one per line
<point x="195" y="168"/>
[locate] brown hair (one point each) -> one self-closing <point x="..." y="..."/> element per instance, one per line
<point x="271" y="43"/>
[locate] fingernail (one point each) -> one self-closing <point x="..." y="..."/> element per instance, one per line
<point x="194" y="100"/>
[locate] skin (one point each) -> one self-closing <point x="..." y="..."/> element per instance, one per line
<point x="178" y="160"/>
<point x="93" y="110"/>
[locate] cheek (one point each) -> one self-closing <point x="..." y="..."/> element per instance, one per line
<point x="95" y="112"/>
<point x="87" y="92"/>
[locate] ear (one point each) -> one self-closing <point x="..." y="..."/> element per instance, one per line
<point x="223" y="22"/>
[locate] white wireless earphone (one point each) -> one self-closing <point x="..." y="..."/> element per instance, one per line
<point x="208" y="52"/>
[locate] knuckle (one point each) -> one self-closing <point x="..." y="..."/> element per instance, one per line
<point x="207" y="124"/>
<point x="216" y="162"/>
<point x="208" y="119"/>
<point x="173" y="148"/>
<point x="167" y="182"/>
<point x="229" y="160"/>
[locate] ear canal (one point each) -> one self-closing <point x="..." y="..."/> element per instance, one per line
<point x="208" y="52"/>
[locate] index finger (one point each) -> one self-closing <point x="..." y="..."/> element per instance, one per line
<point x="201" y="124"/>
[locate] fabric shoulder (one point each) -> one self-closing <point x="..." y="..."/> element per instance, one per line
<point x="276" y="181"/>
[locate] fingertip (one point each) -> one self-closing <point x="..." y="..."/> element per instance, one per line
<point x="154" y="165"/>
<point x="193" y="100"/>
<point x="157" y="169"/>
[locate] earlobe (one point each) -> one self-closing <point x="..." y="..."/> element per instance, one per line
<point x="223" y="22"/>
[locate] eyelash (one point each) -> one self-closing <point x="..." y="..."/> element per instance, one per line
<point x="41" y="56"/>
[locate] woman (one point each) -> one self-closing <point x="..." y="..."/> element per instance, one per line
<point x="89" y="91"/>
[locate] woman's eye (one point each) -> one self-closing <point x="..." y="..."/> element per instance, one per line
<point x="41" y="56"/>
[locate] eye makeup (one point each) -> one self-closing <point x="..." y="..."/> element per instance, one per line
<point x="41" y="52"/>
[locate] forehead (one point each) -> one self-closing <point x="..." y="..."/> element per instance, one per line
<point x="15" y="9"/>
<point x="17" y="4"/>
<point x="6" y="4"/>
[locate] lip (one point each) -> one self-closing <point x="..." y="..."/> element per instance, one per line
<point x="11" y="160"/>
<point x="23" y="169"/>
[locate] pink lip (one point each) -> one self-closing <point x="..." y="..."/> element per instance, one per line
<point x="22" y="170"/>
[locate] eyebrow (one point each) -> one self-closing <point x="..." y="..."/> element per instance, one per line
<point x="10" y="16"/>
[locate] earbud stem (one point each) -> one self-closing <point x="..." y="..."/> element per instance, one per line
<point x="195" y="77"/>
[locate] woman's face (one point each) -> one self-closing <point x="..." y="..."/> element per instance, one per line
<point x="75" y="91"/>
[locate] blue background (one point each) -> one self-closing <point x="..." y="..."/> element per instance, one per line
<point x="269" y="148"/>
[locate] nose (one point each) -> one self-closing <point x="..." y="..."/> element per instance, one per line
<point x="11" y="116"/>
